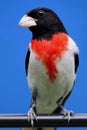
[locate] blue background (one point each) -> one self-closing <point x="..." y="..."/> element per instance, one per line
<point x="15" y="95"/>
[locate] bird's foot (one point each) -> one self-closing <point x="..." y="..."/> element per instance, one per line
<point x="67" y="113"/>
<point x="32" y="115"/>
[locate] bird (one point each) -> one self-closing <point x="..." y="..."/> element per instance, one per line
<point x="51" y="62"/>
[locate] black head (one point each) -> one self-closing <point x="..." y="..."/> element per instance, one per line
<point x="43" y="22"/>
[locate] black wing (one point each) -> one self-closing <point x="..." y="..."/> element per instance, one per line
<point x="76" y="59"/>
<point x="27" y="61"/>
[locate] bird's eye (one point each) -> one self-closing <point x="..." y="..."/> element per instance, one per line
<point x="41" y="13"/>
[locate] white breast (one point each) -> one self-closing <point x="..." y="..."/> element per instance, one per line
<point x="49" y="92"/>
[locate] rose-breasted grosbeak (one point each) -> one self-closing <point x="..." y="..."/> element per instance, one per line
<point x="51" y="61"/>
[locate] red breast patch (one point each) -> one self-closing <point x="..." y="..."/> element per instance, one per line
<point x="48" y="51"/>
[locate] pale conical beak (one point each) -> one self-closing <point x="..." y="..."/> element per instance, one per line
<point x="27" y="21"/>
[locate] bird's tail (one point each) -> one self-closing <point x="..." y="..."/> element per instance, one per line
<point x="38" y="129"/>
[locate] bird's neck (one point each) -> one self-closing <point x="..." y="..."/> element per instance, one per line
<point x="46" y="32"/>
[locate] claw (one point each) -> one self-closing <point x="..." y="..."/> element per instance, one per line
<point x="66" y="112"/>
<point x="31" y="115"/>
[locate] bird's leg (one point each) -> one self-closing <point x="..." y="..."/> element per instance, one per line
<point x="31" y="114"/>
<point x="66" y="112"/>
<point x="32" y="111"/>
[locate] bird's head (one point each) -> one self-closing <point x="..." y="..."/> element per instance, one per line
<point x="43" y="22"/>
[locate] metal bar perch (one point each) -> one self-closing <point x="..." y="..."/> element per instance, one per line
<point x="21" y="120"/>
